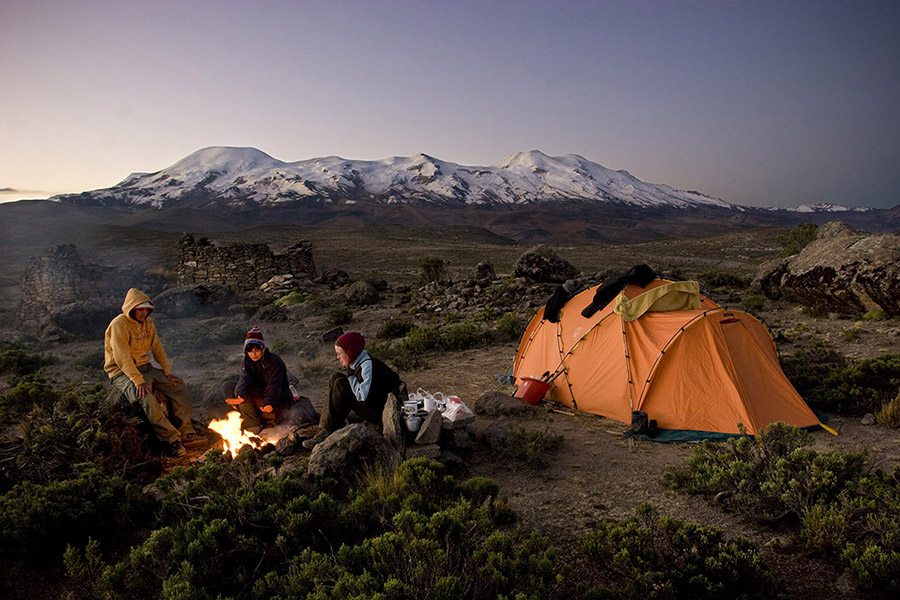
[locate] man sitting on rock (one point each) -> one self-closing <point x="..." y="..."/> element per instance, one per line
<point x="262" y="394"/>
<point x="130" y="339"/>
<point x="363" y="389"/>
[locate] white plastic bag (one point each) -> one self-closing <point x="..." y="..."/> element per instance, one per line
<point x="457" y="410"/>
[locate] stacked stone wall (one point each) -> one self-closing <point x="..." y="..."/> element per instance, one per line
<point x="244" y="267"/>
<point x="61" y="277"/>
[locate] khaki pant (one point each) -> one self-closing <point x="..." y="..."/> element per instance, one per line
<point x="167" y="406"/>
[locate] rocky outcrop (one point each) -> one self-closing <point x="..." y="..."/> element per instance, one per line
<point x="348" y="452"/>
<point x="194" y="300"/>
<point x="842" y="271"/>
<point x="360" y="293"/>
<point x="86" y="319"/>
<point x="244" y="267"/>
<point x="543" y="265"/>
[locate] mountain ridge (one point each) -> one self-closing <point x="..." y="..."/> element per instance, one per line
<point x="240" y="178"/>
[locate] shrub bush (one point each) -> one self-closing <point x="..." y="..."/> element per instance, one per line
<point x="92" y="360"/>
<point x="295" y="297"/>
<point x="432" y="269"/>
<point x="28" y="392"/>
<point x="807" y="368"/>
<point x="866" y="386"/>
<point x="394" y="327"/>
<point x="510" y="328"/>
<point x="658" y="557"/>
<point x="875" y="315"/>
<point x="16" y="360"/>
<point x="532" y="448"/>
<point x="38" y="521"/>
<point x="838" y="506"/>
<point x="753" y="303"/>
<point x="81" y="427"/>
<point x="413" y="533"/>
<point x="339" y="315"/>
<point x="797" y="238"/>
<point x="724" y="279"/>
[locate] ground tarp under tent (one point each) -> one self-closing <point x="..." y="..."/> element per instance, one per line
<point x="695" y="368"/>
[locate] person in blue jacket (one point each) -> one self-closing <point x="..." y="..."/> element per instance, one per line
<point x="362" y="389"/>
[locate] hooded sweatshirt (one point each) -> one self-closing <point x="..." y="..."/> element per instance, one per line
<point x="128" y="344"/>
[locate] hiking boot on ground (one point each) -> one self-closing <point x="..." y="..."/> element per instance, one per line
<point x="316" y="439"/>
<point x="193" y="439"/>
<point x="178" y="449"/>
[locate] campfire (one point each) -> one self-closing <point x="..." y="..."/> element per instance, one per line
<point x="233" y="438"/>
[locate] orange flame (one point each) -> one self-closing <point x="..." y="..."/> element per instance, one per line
<point x="232" y="436"/>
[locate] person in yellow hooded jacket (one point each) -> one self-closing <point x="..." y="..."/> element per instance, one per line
<point x="129" y="341"/>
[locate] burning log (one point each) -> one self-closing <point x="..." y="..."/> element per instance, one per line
<point x="234" y="438"/>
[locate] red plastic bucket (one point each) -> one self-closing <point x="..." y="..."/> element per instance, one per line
<point x="531" y="390"/>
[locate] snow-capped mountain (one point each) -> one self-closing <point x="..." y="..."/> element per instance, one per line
<point x="824" y="207"/>
<point x="246" y="177"/>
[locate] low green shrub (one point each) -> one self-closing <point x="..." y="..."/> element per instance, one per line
<point x="876" y="315"/>
<point x="510" y="327"/>
<point x="81" y="426"/>
<point x="753" y="303"/>
<point x="228" y="530"/>
<point x="18" y="361"/>
<point x="394" y="327"/>
<point x="92" y="360"/>
<point x="866" y="386"/>
<point x="295" y="297"/>
<point x="797" y="238"/>
<point x="28" y="392"/>
<point x="807" y="368"/>
<point x="339" y="315"/>
<point x="532" y="448"/>
<point x="38" y="521"/>
<point x="889" y="415"/>
<point x="724" y="279"/>
<point x="831" y="498"/>
<point x="658" y="557"/>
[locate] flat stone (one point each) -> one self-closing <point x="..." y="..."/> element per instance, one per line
<point x="430" y="432"/>
<point x="426" y="450"/>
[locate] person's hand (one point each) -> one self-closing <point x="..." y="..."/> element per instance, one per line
<point x="266" y="409"/>
<point x="234" y="401"/>
<point x="142" y="390"/>
<point x="175" y="380"/>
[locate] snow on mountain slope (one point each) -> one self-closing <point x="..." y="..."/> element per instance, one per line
<point x="243" y="177"/>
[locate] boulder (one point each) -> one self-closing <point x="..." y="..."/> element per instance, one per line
<point x="842" y="271"/>
<point x="360" y="293"/>
<point x="543" y="265"/>
<point x="392" y="423"/>
<point x="348" y="452"/>
<point x="194" y="300"/>
<point x="484" y="271"/>
<point x="87" y="318"/>
<point x="498" y="404"/>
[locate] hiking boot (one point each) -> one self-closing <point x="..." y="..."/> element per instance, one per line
<point x="316" y="439"/>
<point x="178" y="449"/>
<point x="193" y="439"/>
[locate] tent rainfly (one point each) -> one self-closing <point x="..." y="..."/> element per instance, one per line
<point x="695" y="368"/>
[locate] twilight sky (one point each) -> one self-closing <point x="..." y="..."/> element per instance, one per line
<point x="758" y="103"/>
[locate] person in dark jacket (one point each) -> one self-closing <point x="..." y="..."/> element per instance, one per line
<point x="362" y="389"/>
<point x="263" y="393"/>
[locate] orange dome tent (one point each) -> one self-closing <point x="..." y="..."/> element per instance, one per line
<point x="695" y="368"/>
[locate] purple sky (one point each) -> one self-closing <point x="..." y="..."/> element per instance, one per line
<point x="758" y="103"/>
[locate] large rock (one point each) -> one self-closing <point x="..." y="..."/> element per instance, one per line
<point x="360" y="293"/>
<point x="86" y="319"/>
<point x="842" y="271"/>
<point x="194" y="300"/>
<point x="348" y="452"/>
<point x="498" y="404"/>
<point x="543" y="265"/>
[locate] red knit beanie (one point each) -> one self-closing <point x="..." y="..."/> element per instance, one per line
<point x="254" y="336"/>
<point x="353" y="343"/>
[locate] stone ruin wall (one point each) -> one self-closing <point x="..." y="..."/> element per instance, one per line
<point x="61" y="277"/>
<point x="244" y="267"/>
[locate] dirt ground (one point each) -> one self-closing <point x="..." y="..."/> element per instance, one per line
<point x="598" y="472"/>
